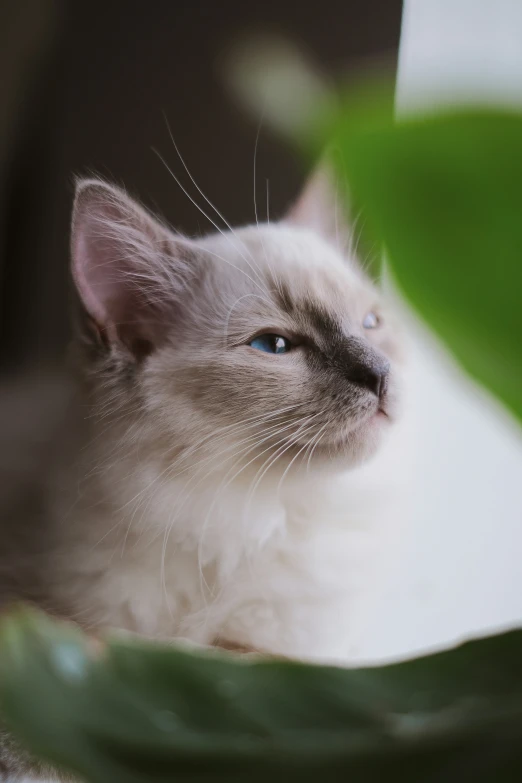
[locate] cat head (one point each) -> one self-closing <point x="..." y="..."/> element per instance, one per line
<point x="265" y="347"/>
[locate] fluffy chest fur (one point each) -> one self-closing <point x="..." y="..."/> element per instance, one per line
<point x="291" y="569"/>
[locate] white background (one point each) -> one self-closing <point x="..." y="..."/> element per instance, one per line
<point x="461" y="569"/>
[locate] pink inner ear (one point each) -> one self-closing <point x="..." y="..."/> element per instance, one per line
<point x="94" y="288"/>
<point x="115" y="252"/>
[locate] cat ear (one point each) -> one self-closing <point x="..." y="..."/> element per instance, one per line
<point x="127" y="267"/>
<point x="322" y="206"/>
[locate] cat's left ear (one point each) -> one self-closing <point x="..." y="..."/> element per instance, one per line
<point x="322" y="206"/>
<point x="130" y="271"/>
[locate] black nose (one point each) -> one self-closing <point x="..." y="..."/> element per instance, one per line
<point x="375" y="379"/>
<point x="368" y="369"/>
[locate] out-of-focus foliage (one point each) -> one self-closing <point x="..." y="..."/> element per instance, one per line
<point x="442" y="194"/>
<point x="137" y="713"/>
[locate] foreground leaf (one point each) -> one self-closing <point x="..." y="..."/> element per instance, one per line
<point x="443" y="194"/>
<point x="144" y="713"/>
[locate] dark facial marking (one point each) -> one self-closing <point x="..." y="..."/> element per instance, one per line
<point x="349" y="357"/>
<point x="364" y="366"/>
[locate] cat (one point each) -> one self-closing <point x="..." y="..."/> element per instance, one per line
<point x="230" y="454"/>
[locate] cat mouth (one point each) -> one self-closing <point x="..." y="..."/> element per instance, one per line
<point x="380" y="412"/>
<point x="359" y="426"/>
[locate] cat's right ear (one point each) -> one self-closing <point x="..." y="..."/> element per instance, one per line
<point x="129" y="269"/>
<point x="322" y="206"/>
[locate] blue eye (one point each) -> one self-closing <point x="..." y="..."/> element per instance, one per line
<point x="271" y="343"/>
<point x="371" y="321"/>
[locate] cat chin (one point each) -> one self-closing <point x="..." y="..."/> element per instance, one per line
<point x="356" y="447"/>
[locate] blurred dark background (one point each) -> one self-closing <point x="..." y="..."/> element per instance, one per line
<point x="84" y="88"/>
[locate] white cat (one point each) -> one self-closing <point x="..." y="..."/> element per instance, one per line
<point x="234" y="465"/>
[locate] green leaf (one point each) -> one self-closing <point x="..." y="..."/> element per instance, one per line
<point x="443" y="193"/>
<point x="141" y="712"/>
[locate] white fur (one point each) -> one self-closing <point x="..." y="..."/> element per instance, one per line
<point x="297" y="578"/>
<point x="287" y="562"/>
<point x="294" y="570"/>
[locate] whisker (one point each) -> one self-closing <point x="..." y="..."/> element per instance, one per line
<point x="256" y="145"/>
<point x="213" y="206"/>
<point x="271" y="430"/>
<point x="270" y="462"/>
<point x="262" y="472"/>
<point x="213" y="222"/>
<point x="239" y="299"/>
<point x="320" y="436"/>
<point x="185" y="500"/>
<point x="234" y="429"/>
<point x="227" y="261"/>
<point x="255" y="163"/>
<point x="288" y="467"/>
<point x="226" y="483"/>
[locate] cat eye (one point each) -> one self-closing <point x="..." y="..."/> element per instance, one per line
<point x="271" y="343"/>
<point x="371" y="321"/>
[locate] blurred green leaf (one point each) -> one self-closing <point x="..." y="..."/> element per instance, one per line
<point x="443" y="193"/>
<point x="141" y="712"/>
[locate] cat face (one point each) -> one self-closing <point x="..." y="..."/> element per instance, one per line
<point x="261" y="348"/>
